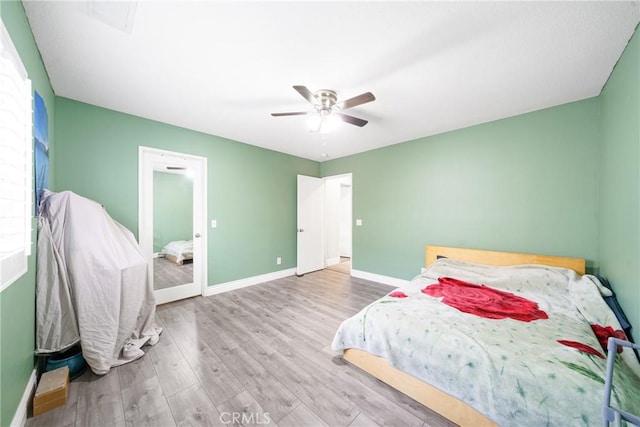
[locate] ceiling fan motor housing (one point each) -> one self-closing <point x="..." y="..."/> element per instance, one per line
<point x="326" y="98"/>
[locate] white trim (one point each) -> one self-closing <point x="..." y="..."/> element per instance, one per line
<point x="256" y="280"/>
<point x="340" y="177"/>
<point x="12" y="268"/>
<point x="147" y="157"/>
<point x="386" y="280"/>
<point x="249" y="281"/>
<point x="175" y="293"/>
<point x="13" y="262"/>
<point x="20" y="417"/>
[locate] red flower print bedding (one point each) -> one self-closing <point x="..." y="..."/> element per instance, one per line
<point x="524" y="345"/>
<point x="484" y="301"/>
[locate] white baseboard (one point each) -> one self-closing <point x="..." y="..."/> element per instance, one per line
<point x="255" y="280"/>
<point x="387" y="280"/>
<point x="20" y="417"/>
<point x="249" y="281"/>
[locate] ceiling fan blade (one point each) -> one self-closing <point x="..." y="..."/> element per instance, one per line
<point x="306" y="94"/>
<point x="298" y="113"/>
<point x="356" y="100"/>
<point x="351" y="120"/>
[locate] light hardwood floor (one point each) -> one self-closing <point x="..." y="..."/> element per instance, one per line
<point x="262" y="351"/>
<point x="167" y="273"/>
<point x="344" y="266"/>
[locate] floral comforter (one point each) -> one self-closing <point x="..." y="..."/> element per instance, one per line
<point x="523" y="345"/>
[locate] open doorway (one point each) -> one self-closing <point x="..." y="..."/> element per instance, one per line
<point x="338" y="222"/>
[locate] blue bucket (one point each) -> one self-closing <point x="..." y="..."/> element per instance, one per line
<point x="71" y="358"/>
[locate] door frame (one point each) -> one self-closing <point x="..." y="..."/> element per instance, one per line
<point x="147" y="156"/>
<point x="323" y="242"/>
<point x="324" y="180"/>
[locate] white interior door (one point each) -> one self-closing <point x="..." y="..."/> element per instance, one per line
<point x="310" y="224"/>
<point x="195" y="167"/>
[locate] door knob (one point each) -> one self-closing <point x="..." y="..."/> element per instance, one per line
<point x="197" y="234"/>
<point x="300" y="230"/>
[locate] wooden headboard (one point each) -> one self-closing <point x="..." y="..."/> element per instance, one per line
<point x="502" y="258"/>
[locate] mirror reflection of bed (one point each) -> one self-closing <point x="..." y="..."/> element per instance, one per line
<point x="172" y="229"/>
<point x="171" y="269"/>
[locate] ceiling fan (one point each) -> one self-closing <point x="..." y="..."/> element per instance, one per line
<point x="326" y="104"/>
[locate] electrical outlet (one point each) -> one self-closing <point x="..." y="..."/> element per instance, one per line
<point x="278" y="260"/>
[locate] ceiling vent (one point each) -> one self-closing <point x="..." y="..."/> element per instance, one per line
<point x="118" y="14"/>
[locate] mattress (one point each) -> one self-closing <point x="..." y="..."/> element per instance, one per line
<point x="523" y="345"/>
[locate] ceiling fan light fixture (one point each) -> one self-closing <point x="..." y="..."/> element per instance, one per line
<point x="324" y="122"/>
<point x="328" y="124"/>
<point x="328" y="109"/>
<point x="314" y="121"/>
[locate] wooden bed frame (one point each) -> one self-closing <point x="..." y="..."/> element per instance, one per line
<point x="174" y="259"/>
<point x="444" y="404"/>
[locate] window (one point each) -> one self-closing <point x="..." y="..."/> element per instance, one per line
<point x="16" y="163"/>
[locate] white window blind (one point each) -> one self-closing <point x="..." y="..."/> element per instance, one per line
<point x="16" y="163"/>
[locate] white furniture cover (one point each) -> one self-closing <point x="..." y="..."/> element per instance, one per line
<point x="92" y="284"/>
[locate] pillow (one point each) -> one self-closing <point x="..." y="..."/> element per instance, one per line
<point x="613" y="304"/>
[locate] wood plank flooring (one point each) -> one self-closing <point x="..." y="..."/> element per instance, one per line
<point x="167" y="273"/>
<point x="344" y="266"/>
<point x="256" y="356"/>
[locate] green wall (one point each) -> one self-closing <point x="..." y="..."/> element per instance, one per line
<point x="619" y="222"/>
<point x="17" y="326"/>
<point x="17" y="308"/>
<point x="561" y="181"/>
<point x="172" y="208"/>
<point x="526" y="184"/>
<point x="251" y="191"/>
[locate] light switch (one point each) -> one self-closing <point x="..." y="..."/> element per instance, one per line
<point x="358" y="222"/>
<point x="214" y="223"/>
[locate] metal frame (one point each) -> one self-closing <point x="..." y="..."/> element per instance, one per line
<point x="609" y="413"/>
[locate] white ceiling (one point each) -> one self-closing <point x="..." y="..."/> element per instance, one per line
<point x="223" y="67"/>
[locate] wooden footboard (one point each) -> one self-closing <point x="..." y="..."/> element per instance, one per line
<point x="172" y="258"/>
<point x="442" y="403"/>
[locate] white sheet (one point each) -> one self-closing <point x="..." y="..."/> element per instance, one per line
<point x="181" y="249"/>
<point x="92" y="284"/>
<point x="516" y="372"/>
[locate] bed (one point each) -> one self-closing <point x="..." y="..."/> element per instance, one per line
<point x="178" y="251"/>
<point x="539" y="364"/>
